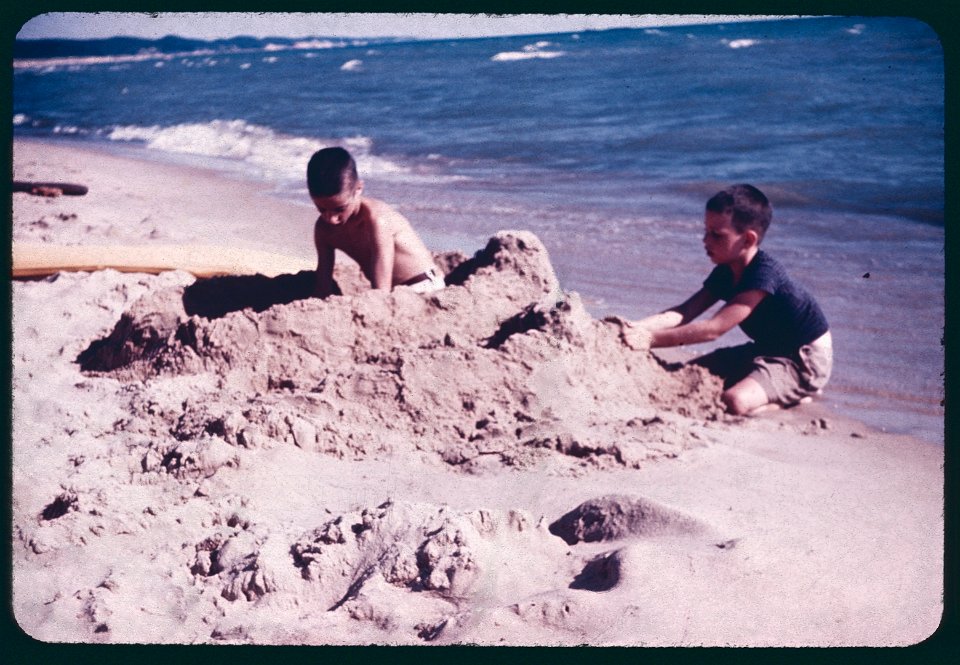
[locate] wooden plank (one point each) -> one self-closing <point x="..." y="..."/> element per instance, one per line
<point x="31" y="261"/>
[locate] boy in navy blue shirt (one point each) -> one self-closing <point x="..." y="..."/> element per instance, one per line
<point x="791" y="355"/>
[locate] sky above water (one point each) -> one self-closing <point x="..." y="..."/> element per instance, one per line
<point x="214" y="25"/>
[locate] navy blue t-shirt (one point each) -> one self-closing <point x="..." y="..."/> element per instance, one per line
<point x="786" y="319"/>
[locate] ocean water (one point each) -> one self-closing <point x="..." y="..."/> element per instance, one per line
<point x="606" y="144"/>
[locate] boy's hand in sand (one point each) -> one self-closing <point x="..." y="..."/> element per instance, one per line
<point x="633" y="336"/>
<point x="636" y="337"/>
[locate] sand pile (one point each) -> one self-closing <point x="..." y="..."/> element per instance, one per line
<point x="499" y="368"/>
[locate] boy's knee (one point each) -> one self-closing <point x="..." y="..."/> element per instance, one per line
<point x="744" y="397"/>
<point x="733" y="402"/>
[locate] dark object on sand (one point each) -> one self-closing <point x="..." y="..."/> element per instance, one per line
<point x="49" y="188"/>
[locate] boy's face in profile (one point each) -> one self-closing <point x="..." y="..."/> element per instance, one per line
<point x="721" y="240"/>
<point x="339" y="208"/>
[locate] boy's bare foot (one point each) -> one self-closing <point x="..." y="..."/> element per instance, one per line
<point x="771" y="406"/>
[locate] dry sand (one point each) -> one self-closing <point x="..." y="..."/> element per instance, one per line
<point x="226" y="461"/>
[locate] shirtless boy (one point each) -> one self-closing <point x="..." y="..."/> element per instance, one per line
<point x="791" y="355"/>
<point x="369" y="231"/>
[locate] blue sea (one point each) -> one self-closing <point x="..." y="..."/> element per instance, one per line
<point x="606" y="144"/>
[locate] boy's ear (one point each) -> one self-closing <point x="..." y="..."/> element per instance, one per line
<point x="752" y="237"/>
<point x="359" y="188"/>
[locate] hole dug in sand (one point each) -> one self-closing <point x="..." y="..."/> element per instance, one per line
<point x="634" y="519"/>
<point x="60" y="506"/>
<point x="600" y="574"/>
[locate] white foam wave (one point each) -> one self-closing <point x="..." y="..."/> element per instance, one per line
<point x="91" y="60"/>
<point x="517" y="55"/>
<point x="273" y="154"/>
<point x="352" y="66"/>
<point x="741" y="43"/>
<point x="24" y="120"/>
<point x="316" y="44"/>
<point x="529" y="52"/>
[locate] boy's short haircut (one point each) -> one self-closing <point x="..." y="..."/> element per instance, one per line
<point x="331" y="171"/>
<point x="748" y="208"/>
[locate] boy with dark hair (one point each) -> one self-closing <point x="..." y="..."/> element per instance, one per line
<point x="377" y="237"/>
<point x="791" y="355"/>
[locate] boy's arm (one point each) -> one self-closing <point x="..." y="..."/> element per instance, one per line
<point x="685" y="312"/>
<point x="730" y="315"/>
<point x="638" y="334"/>
<point x="325" y="258"/>
<point x="382" y="256"/>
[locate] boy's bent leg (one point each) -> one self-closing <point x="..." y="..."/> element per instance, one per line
<point x="730" y="363"/>
<point x="745" y="397"/>
<point x="789" y="381"/>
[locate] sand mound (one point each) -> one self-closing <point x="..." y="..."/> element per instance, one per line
<point x="501" y="367"/>
<point x="616" y="516"/>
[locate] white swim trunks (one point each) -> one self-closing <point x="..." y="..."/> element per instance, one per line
<point x="426" y="282"/>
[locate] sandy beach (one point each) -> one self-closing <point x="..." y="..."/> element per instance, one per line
<point x="228" y="461"/>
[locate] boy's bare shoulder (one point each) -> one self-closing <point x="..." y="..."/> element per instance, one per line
<point x="381" y="212"/>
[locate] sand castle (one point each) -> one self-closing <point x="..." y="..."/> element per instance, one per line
<point x="500" y="366"/>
